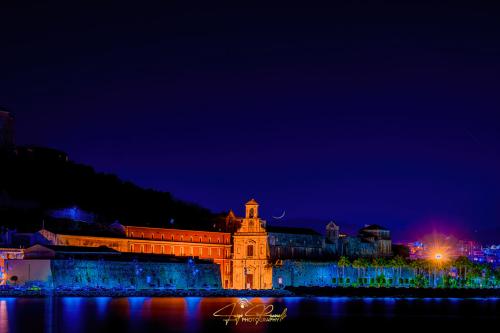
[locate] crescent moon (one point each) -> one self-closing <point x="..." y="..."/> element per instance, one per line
<point x="279" y="217"/>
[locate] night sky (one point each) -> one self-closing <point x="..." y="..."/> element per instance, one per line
<point x="359" y="113"/>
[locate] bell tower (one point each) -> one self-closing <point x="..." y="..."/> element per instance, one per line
<point x="252" y="209"/>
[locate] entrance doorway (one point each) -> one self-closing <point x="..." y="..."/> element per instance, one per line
<point x="249" y="281"/>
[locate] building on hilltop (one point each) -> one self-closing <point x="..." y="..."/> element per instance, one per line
<point x="6" y="129"/>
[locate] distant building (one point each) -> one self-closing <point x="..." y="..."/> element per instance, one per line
<point x="41" y="154"/>
<point x="74" y="214"/>
<point x="467" y="248"/>
<point x="371" y="241"/>
<point x="6" y="129"/>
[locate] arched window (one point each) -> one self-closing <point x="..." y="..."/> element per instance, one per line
<point x="251" y="213"/>
<point x="249" y="250"/>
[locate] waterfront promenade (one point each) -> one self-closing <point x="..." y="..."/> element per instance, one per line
<point x="287" y="292"/>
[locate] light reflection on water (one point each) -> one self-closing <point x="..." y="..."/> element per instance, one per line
<point x="195" y="314"/>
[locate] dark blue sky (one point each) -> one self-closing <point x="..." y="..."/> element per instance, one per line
<point x="361" y="113"/>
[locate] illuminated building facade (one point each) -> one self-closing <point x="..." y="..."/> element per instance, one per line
<point x="6" y="254"/>
<point x="251" y="266"/>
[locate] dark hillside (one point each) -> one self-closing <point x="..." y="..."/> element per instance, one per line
<point x="34" y="180"/>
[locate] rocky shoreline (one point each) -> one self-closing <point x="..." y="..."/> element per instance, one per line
<point x="287" y="292"/>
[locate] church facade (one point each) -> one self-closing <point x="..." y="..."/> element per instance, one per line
<point x="251" y="266"/>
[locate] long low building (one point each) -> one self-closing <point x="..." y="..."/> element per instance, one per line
<point x="215" y="246"/>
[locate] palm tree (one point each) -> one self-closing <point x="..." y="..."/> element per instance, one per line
<point x="378" y="262"/>
<point x="418" y="266"/>
<point x="343" y="262"/>
<point x="462" y="264"/>
<point x="398" y="262"/>
<point x="358" y="264"/>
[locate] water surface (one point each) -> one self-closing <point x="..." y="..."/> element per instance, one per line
<point x="195" y="314"/>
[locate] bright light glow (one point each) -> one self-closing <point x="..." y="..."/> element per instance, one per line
<point x="438" y="256"/>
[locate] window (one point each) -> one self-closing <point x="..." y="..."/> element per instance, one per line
<point x="250" y="225"/>
<point x="142" y="235"/>
<point x="249" y="250"/>
<point x="172" y="237"/>
<point x="131" y="234"/>
<point x="182" y="250"/>
<point x="152" y="236"/>
<point x="162" y="249"/>
<point x="162" y="237"/>
<point x="251" y="213"/>
<point x="191" y="239"/>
